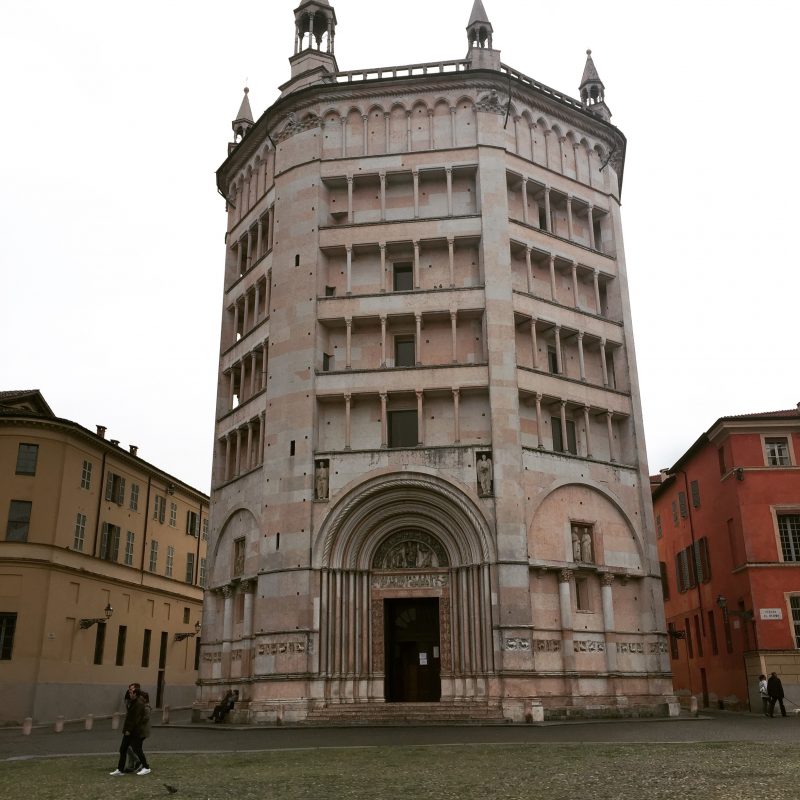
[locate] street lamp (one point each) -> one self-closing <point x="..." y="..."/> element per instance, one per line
<point x="179" y="637"/>
<point x="87" y="623"/>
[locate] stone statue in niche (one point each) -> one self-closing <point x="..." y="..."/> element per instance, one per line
<point x="238" y="557"/>
<point x="321" y="481"/>
<point x="485" y="475"/>
<point x="576" y="546"/>
<point x="586" y="547"/>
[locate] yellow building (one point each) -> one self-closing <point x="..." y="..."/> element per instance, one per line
<point x="101" y="570"/>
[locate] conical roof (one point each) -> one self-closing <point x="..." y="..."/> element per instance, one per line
<point x="478" y="14"/>
<point x="590" y="71"/>
<point x="245" y="113"/>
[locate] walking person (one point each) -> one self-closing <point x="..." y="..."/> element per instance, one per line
<point x="762" y="690"/>
<point x="775" y="691"/>
<point x="134" y="731"/>
<point x="132" y="763"/>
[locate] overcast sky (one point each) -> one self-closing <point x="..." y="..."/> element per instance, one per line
<point x="116" y="115"/>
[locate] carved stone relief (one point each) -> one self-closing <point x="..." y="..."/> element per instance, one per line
<point x="410" y="550"/>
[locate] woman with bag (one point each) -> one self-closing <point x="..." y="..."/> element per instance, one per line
<point x="134" y="731"/>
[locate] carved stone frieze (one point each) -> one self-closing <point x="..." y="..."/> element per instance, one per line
<point x="410" y="581"/>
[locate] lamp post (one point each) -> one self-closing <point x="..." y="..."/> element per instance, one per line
<point x="87" y="623"/>
<point x="179" y="637"/>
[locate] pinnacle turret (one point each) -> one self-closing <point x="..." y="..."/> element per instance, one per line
<point x="244" y="119"/>
<point x="479" y="29"/>
<point x="592" y="90"/>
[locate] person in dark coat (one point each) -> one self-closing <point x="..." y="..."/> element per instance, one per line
<point x="227" y="704"/>
<point x="134" y="731"/>
<point x="775" y="692"/>
<point x="132" y="764"/>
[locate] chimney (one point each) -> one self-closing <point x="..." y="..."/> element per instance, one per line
<point x="101" y="431"/>
<point x="115" y="442"/>
<point x="134" y="449"/>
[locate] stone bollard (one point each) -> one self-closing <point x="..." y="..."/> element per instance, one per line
<point x="165" y="715"/>
<point x="59" y="724"/>
<point x="27" y="726"/>
<point x="693" y="706"/>
<point x="115" y="720"/>
<point x="89" y="722"/>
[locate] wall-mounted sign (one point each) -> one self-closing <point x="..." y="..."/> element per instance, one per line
<point x="771" y="613"/>
<point x="423" y="659"/>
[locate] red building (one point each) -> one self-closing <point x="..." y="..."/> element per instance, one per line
<point x="728" y="527"/>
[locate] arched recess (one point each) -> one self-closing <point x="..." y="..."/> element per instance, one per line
<point x="356" y="550"/>
<point x="377" y="127"/>
<point x="524" y="142"/>
<point x="240" y="525"/>
<point x="331" y="134"/>
<point x="615" y="541"/>
<point x="420" y="127"/>
<point x="442" y="126"/>
<point x="466" y="123"/>
<point x="398" y="129"/>
<point x="355" y="133"/>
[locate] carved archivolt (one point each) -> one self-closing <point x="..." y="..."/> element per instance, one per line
<point x="360" y="529"/>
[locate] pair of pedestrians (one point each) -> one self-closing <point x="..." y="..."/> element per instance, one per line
<point x="771" y="693"/>
<point x="135" y="730"/>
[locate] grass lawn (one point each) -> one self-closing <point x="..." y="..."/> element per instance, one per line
<point x="484" y="772"/>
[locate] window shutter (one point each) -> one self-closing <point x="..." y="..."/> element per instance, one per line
<point x="110" y="486"/>
<point x="699" y="561"/>
<point x="679" y="573"/>
<point x="114" y="543"/>
<point x="121" y="492"/>
<point x="682" y="504"/>
<point x="104" y="541"/>
<point x="695" y="489"/>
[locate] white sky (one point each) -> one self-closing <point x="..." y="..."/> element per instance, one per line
<point x="116" y="116"/>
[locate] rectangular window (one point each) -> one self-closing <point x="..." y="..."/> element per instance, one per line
<point x="19" y="520"/>
<point x="777" y="451"/>
<point x="327" y="362"/>
<point x="8" y="624"/>
<point x="712" y="633"/>
<point x="330" y="291"/>
<point x="109" y="542"/>
<point x="129" y="539"/>
<point x="673" y="641"/>
<point x="173" y="515"/>
<point x="702" y="565"/>
<point x="27" y="456"/>
<point x="794" y="604"/>
<point x="170" y="559"/>
<point x="202" y="573"/>
<point x="552" y="359"/>
<point x="582" y="594"/>
<point x="122" y="635"/>
<point x="146" y="647"/>
<point x="402" y="429"/>
<point x="789" y="530"/>
<point x="558" y="438"/>
<point x="694" y="488"/>
<point x="698" y="636"/>
<point x="682" y="505"/>
<point x="404" y="351"/>
<point x="80" y="532"/>
<point x="403" y="277"/>
<point x="675" y="513"/>
<point x="162" y="651"/>
<point x="659" y="529"/>
<point x="153" y="565"/>
<point x="190" y="568"/>
<point x="197" y="654"/>
<point x="205" y="529"/>
<point x="86" y="475"/>
<point x="115" y="489"/>
<point x="99" y="642"/>
<point x="185" y="615"/>
<point x="664" y="579"/>
<point x="134" y="504"/>
<point x="159" y="508"/>
<point x="612" y="376"/>
<point x="192" y="520"/>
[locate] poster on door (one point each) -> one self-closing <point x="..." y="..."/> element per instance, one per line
<point x="423" y="659"/>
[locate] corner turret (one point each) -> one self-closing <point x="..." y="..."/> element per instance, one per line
<point x="313" y="59"/>
<point x="244" y="119"/>
<point x="480" y="54"/>
<point x="592" y="90"/>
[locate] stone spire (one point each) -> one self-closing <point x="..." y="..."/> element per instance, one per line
<point x="244" y="119"/>
<point x="479" y="29"/>
<point x="592" y="90"/>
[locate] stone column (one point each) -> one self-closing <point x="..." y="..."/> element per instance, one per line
<point x="525" y="200"/>
<point x="246" y="314"/>
<point x="610" y="427"/>
<point x="383" y="340"/>
<point x="539" y="420"/>
<point x="569" y="218"/>
<point x="349" y="199"/>
<point x="416" y="264"/>
<point x="565" y="606"/>
<point x="408" y="131"/>
<point x="553" y="277"/>
<point x="564" y="440"/>
<point x="450" y="255"/>
<point x="430" y="129"/>
<point x="529" y="269"/>
<point x="235" y="321"/>
<point x="575" y="284"/>
<point x="588" y="431"/>
<point x="248" y="456"/>
<point x="262" y="436"/>
<point x="384" y="274"/>
<point x="449" y="174"/>
<point x="344" y="136"/>
<point x="384" y="421"/>
<point x="264" y="360"/>
<point x="420" y="421"/>
<point x="231" y="388"/>
<point x="596" y="278"/>
<point x="241" y="380"/>
<point x="226" y="473"/>
<point x="386" y="130"/>
<point x="227" y="630"/>
<point x="260" y="239"/>
<point x="454" y="335"/>
<point x="603" y="364"/>
<point x="547" y="218"/>
<point x="253" y="371"/>
<point x="590" y="219"/>
<point x="534" y="344"/>
<point x="365" y="121"/>
<point x="581" y="363"/>
<point x="249" y="247"/>
<point x="238" y="470"/>
<point x="348" y="420"/>
<point x="256" y="303"/>
<point x="606" y="582"/>
<point x="349" y="274"/>
<point x="453" y="126"/>
<point x="349" y="341"/>
<point x="271" y="227"/>
<point x="456" y="418"/>
<point x="415" y="174"/>
<point x="239" y="258"/>
<point x="418" y="340"/>
<point x="559" y="360"/>
<point x="382" y="177"/>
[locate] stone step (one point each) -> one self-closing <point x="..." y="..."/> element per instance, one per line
<point x="406" y="714"/>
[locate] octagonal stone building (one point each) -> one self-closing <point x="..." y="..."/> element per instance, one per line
<point x="430" y="496"/>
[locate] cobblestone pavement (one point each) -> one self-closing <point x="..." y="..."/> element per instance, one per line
<point x="183" y="737"/>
